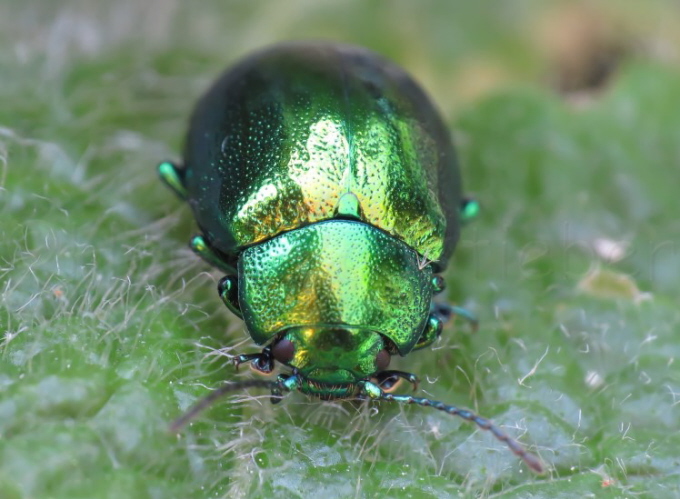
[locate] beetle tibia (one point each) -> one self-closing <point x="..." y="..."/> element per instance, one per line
<point x="173" y="176"/>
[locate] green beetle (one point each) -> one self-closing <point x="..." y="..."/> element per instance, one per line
<point x="326" y="187"/>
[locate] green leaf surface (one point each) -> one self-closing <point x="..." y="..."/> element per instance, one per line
<point x="110" y="328"/>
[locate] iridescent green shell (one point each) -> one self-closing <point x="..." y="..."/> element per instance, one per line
<point x="283" y="135"/>
<point x="332" y="275"/>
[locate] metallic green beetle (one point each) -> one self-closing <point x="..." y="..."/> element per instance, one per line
<point x="326" y="187"/>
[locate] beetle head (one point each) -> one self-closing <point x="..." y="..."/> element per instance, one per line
<point x="332" y="354"/>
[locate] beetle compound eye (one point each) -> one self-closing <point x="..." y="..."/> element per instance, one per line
<point x="382" y="360"/>
<point x="284" y="351"/>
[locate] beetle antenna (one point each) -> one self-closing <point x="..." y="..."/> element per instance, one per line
<point x="530" y="459"/>
<point x="209" y="399"/>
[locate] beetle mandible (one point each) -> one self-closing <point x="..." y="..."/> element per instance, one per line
<point x="326" y="187"/>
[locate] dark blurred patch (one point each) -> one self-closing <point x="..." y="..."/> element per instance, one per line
<point x="584" y="48"/>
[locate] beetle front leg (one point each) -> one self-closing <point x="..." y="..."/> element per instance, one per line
<point x="446" y="311"/>
<point x="228" y="290"/>
<point x="443" y="310"/>
<point x="285" y="382"/>
<point x="439" y="314"/>
<point x="387" y="380"/>
<point x="262" y="362"/>
<point x="433" y="330"/>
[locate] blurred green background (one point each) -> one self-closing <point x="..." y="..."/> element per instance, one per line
<point x="567" y="120"/>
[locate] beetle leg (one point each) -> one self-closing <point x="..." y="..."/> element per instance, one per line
<point x="199" y="246"/>
<point x="285" y="382"/>
<point x="469" y="209"/>
<point x="433" y="330"/>
<point x="444" y="311"/>
<point x="228" y="291"/>
<point x="262" y="362"/>
<point x="173" y="176"/>
<point x="387" y="380"/>
<point x="439" y="314"/>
